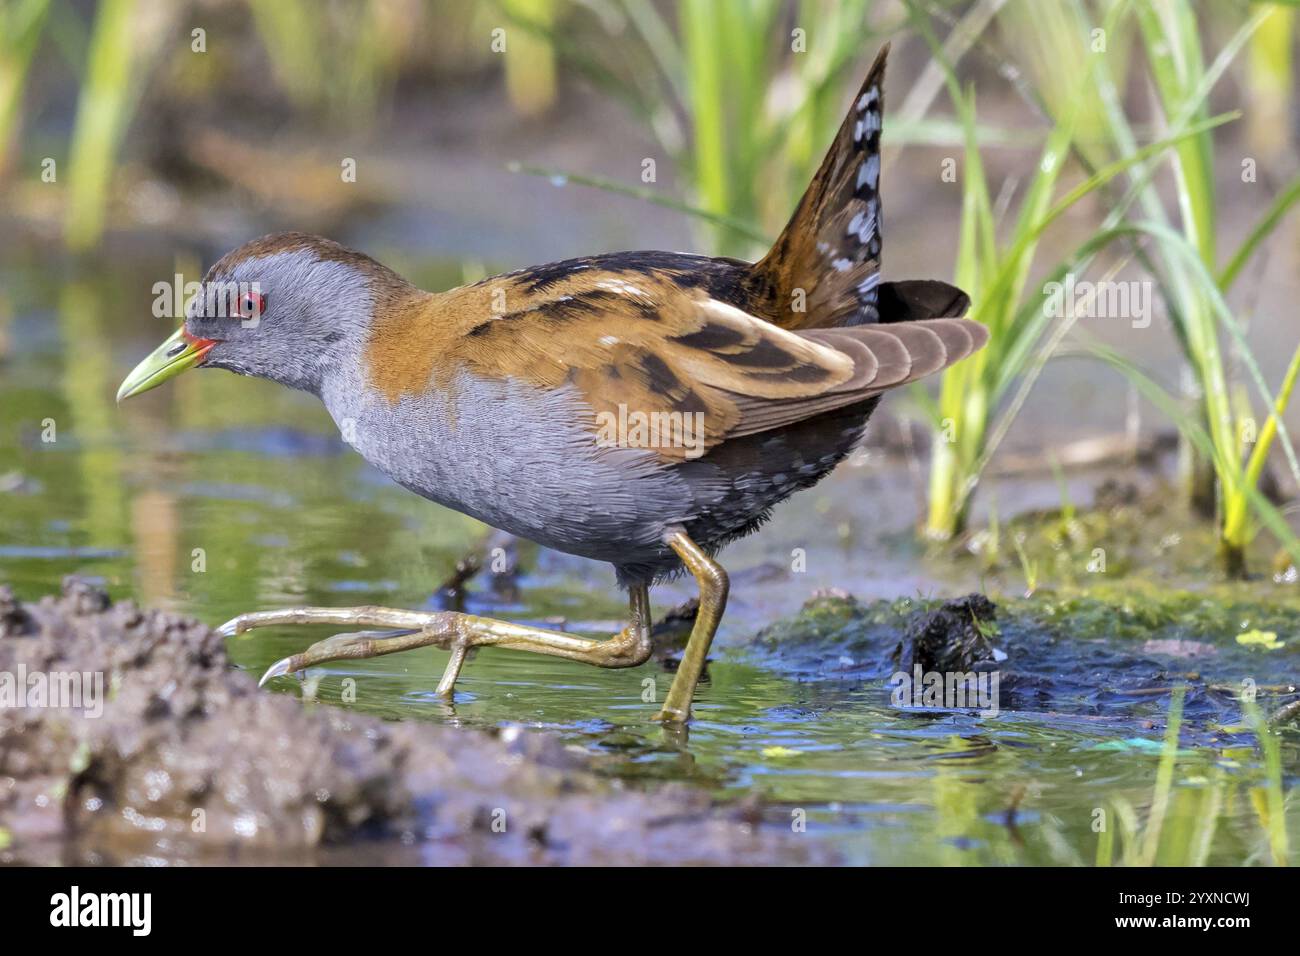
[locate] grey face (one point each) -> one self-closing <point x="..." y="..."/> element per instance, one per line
<point x="287" y="317"/>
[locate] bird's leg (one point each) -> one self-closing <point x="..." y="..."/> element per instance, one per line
<point x="451" y="630"/>
<point x="713" y="601"/>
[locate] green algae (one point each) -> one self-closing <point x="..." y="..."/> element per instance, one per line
<point x="1126" y="535"/>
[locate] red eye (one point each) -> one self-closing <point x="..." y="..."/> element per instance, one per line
<point x="252" y="305"/>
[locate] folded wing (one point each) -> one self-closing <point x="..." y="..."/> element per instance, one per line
<point x="648" y="346"/>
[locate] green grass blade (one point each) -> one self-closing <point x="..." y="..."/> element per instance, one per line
<point x="1263" y="229"/>
<point x="1164" y="779"/>
<point x="1197" y="435"/>
<point x="1196" y="271"/>
<point x="1235" y="531"/>
<point x="1002" y="286"/>
<point x="21" y="24"/>
<point x="1279" y="844"/>
<point x="103" y="110"/>
<point x="292" y="34"/>
<point x="701" y="25"/>
<point x="659" y="40"/>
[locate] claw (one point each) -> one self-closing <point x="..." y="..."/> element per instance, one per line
<point x="230" y="628"/>
<point x="278" y="669"/>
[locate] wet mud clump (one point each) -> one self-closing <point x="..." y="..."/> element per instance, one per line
<point x="159" y="750"/>
<point x="951" y="637"/>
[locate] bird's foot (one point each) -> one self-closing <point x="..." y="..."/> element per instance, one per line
<point x="449" y="630"/>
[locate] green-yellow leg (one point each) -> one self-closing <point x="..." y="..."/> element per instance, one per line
<point x="449" y="630"/>
<point x="713" y="601"/>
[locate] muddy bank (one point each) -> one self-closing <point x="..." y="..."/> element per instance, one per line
<point x="188" y="760"/>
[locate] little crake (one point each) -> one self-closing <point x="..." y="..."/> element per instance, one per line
<point x="640" y="408"/>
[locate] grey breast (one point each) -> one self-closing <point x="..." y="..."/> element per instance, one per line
<point x="519" y="458"/>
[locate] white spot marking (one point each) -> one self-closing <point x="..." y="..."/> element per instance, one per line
<point x="870" y="172"/>
<point x="868" y="228"/>
<point x="622" y="287"/>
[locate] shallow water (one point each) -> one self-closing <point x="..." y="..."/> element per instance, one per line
<point x="215" y="495"/>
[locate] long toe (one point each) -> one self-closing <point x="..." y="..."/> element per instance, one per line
<point x="352" y="638"/>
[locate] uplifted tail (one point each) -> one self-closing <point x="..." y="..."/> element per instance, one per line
<point x="831" y="247"/>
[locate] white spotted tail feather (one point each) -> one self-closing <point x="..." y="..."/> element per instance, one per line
<point x="831" y="248"/>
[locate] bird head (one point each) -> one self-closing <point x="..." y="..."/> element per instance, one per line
<point x="284" y="307"/>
